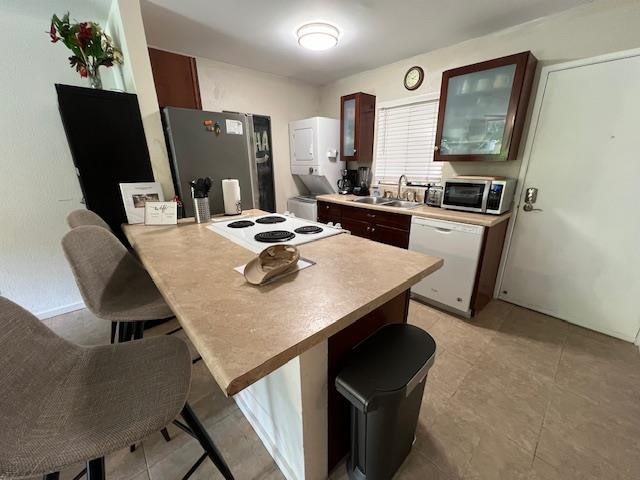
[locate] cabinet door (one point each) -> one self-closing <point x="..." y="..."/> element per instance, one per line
<point x="329" y="212"/>
<point x="390" y="235"/>
<point x="176" y="79"/>
<point x="348" y="127"/>
<point x="483" y="109"/>
<point x="357" y="228"/>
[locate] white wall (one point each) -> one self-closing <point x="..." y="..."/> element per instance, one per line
<point x="227" y="87"/>
<point x="39" y="185"/>
<point x="37" y="178"/>
<point x="586" y="31"/>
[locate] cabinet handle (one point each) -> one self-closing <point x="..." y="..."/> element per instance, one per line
<point x="436" y="148"/>
<point x="373" y="229"/>
<point x="368" y="229"/>
<point x="354" y="151"/>
<point x="371" y="215"/>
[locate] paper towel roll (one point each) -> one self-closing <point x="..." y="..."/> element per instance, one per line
<point x="231" y="196"/>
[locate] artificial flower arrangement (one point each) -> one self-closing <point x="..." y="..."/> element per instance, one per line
<point x="91" y="47"/>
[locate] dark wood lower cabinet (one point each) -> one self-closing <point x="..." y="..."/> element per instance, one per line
<point x="339" y="346"/>
<point x="357" y="228"/>
<point x="390" y="236"/>
<point x="379" y="226"/>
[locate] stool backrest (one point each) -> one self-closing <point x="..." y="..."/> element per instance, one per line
<point x="102" y="266"/>
<point x="82" y="217"/>
<point x="32" y="358"/>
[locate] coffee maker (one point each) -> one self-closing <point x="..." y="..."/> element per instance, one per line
<point x="347" y="182"/>
<point x="362" y="189"/>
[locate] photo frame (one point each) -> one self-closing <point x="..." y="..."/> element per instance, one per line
<point x="135" y="195"/>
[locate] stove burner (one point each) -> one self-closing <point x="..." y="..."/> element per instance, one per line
<point x="274" y="236"/>
<point x="308" y="229"/>
<point x="271" y="219"/>
<point x="241" y="224"/>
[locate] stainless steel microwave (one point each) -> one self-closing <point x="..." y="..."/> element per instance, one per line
<point x="492" y="195"/>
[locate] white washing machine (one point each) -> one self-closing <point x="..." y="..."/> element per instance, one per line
<point x="303" y="207"/>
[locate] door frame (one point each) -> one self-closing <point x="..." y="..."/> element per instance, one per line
<point x="531" y="136"/>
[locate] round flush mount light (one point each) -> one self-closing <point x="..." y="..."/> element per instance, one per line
<point x="317" y="36"/>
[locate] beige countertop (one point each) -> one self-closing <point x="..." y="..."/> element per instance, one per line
<point x="244" y="332"/>
<point x="423" y="211"/>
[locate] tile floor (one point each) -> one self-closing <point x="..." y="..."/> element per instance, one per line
<point x="512" y="395"/>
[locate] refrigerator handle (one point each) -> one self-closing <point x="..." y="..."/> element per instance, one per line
<point x="253" y="166"/>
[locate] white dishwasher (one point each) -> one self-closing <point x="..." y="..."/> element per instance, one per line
<point x="459" y="245"/>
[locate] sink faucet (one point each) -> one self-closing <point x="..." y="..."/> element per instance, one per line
<point x="400" y="184"/>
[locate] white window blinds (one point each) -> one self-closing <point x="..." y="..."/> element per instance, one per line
<point x="405" y="141"/>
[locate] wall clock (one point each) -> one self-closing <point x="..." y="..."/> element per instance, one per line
<point x="413" y="78"/>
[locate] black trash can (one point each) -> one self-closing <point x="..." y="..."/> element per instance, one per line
<point x="384" y="379"/>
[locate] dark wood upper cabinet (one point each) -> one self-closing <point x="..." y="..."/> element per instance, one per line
<point x="483" y="108"/>
<point x="176" y="79"/>
<point x="357" y="119"/>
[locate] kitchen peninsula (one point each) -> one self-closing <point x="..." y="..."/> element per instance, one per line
<point x="277" y="348"/>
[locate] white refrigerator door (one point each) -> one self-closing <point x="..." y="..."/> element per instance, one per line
<point x="459" y="245"/>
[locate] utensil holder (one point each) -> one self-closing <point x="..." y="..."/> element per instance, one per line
<point x="201" y="210"/>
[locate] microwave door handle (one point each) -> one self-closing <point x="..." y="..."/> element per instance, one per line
<point x="485" y="196"/>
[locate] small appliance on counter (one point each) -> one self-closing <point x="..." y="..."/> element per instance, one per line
<point x="433" y="196"/>
<point x="362" y="189"/>
<point x="493" y="195"/>
<point x="347" y="182"/>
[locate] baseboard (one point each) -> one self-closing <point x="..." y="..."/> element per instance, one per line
<point x="54" y="312"/>
<point x="267" y="441"/>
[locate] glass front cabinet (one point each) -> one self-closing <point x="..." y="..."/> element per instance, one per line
<point x="483" y="109"/>
<point x="357" y="118"/>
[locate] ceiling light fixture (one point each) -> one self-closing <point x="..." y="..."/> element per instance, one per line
<point x="318" y="36"/>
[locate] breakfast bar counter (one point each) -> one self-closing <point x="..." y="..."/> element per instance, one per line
<point x="247" y="333"/>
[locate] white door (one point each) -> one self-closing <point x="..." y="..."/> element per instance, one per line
<point x="578" y="257"/>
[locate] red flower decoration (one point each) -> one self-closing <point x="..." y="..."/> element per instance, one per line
<point x="84" y="33"/>
<point x="83" y="71"/>
<point x="53" y="33"/>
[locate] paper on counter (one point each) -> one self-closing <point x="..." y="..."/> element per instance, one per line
<point x="302" y="264"/>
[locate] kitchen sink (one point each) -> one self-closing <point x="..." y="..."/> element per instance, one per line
<point x="374" y="200"/>
<point x="402" y="204"/>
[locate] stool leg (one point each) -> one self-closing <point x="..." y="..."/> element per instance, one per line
<point x="205" y="441"/>
<point x="51" y="476"/>
<point x="165" y="434"/>
<point x="114" y="327"/>
<point x="138" y="330"/>
<point x="95" y="469"/>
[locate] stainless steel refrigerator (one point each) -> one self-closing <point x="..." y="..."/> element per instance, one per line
<point x="221" y="145"/>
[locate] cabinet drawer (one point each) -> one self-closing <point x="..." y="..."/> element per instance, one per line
<point x="329" y="209"/>
<point x="395" y="220"/>
<point x="391" y="236"/>
<point x="357" y="227"/>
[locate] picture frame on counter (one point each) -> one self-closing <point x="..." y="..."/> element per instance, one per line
<point x="136" y="195"/>
<point x="160" y="213"/>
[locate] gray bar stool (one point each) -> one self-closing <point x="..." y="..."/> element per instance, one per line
<point x="81" y="217"/>
<point x="112" y="282"/>
<point x="62" y="403"/>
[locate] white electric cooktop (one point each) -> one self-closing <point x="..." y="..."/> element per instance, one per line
<point x="259" y="232"/>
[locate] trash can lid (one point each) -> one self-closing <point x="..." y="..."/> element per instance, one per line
<point x="385" y="362"/>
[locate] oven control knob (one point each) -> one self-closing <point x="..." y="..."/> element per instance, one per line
<point x="310" y="170"/>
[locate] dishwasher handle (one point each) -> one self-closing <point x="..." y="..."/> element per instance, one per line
<point x="442" y="230"/>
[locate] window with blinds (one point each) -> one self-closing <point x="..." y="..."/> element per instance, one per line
<point x="405" y="141"/>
